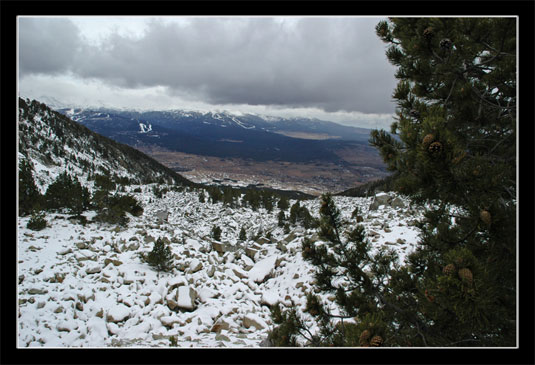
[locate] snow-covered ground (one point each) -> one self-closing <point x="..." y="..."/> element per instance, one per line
<point x="86" y="286"/>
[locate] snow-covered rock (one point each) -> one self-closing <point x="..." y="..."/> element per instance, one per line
<point x="262" y="269"/>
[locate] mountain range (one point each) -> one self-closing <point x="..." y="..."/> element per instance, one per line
<point x="226" y="135"/>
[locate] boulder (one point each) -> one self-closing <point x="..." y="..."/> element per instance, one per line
<point x="93" y="269"/>
<point x="186" y="297"/>
<point x="195" y="265"/>
<point x="162" y="216"/>
<point x="382" y="198"/>
<point x="262" y="269"/>
<point x="397" y="202"/>
<point x="254" y="321"/>
<point x="118" y="313"/>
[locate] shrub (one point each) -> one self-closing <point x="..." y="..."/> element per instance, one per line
<point x="37" y="222"/>
<point x="216" y="233"/>
<point x="160" y="257"/>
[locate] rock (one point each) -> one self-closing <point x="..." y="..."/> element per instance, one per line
<point x="65" y="251"/>
<point x="169" y="321"/>
<point x="37" y="291"/>
<point x="195" y="265"/>
<point x="269" y="298"/>
<point x="93" y="269"/>
<point x="108" y="261"/>
<point x="211" y="271"/>
<point x="374" y="205"/>
<point x="360" y="218"/>
<point x="220" y="337"/>
<point x="401" y="241"/>
<point x="239" y="272"/>
<point x="186" y="297"/>
<point x="292" y="236"/>
<point x="162" y="216"/>
<point x="382" y="198"/>
<point x="218" y="246"/>
<point x="262" y="240"/>
<point x="149" y="239"/>
<point x="262" y="269"/>
<point x="80" y="245"/>
<point x="118" y="313"/>
<point x="397" y="202"/>
<point x="247" y="262"/>
<point x="221" y="324"/>
<point x="254" y="321"/>
<point x="282" y="246"/>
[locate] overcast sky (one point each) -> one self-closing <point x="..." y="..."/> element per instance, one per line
<point x="332" y="68"/>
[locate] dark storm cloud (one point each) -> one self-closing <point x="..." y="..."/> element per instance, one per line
<point x="330" y="63"/>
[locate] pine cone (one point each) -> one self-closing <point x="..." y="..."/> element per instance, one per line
<point x="449" y="269"/>
<point x="428" y="139"/>
<point x="376" y="341"/>
<point x="485" y="217"/>
<point x="446" y="43"/>
<point x="466" y="276"/>
<point x="428" y="32"/>
<point x="435" y="148"/>
<point x="364" y="337"/>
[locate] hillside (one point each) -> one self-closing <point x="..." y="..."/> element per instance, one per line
<point x="85" y="283"/>
<point x="53" y="144"/>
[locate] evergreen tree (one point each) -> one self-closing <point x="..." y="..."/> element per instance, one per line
<point x="29" y="196"/>
<point x="160" y="257"/>
<point x="281" y="217"/>
<point x="452" y="144"/>
<point x="216" y="233"/>
<point x="283" y="203"/>
<point x="66" y="192"/>
<point x="243" y="234"/>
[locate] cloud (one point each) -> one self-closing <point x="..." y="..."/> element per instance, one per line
<point x="330" y="63"/>
<point x="47" y="45"/>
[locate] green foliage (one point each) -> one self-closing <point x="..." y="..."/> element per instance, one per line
<point x="281" y="218"/>
<point x="299" y="214"/>
<point x="453" y="148"/>
<point x="160" y="257"/>
<point x="37" y="221"/>
<point x="29" y="196"/>
<point x="113" y="208"/>
<point x="66" y="192"/>
<point x="104" y="182"/>
<point x="216" y="233"/>
<point x="243" y="235"/>
<point x="283" y="203"/>
<point x="202" y="197"/>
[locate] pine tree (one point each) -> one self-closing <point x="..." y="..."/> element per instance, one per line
<point x="160" y="257"/>
<point x="216" y="233"/>
<point x="243" y="235"/>
<point x="29" y="196"/>
<point x="453" y="144"/>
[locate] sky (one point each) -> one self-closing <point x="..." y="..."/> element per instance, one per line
<point x="330" y="68"/>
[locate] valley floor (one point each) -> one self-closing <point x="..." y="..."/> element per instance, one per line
<point x="86" y="286"/>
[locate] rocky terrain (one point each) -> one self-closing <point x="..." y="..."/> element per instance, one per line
<point x="86" y="286"/>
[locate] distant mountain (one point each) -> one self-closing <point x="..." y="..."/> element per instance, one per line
<point x="53" y="143"/>
<point x="226" y="135"/>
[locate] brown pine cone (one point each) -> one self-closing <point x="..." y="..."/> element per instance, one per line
<point x="466" y="275"/>
<point x="364" y="337"/>
<point x="435" y="148"/>
<point x="449" y="269"/>
<point x="428" y="139"/>
<point x="376" y="341"/>
<point x="485" y="217"/>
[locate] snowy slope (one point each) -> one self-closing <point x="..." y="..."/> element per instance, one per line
<point x="87" y="286"/>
